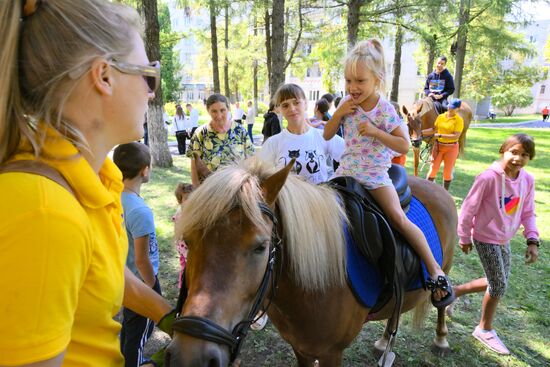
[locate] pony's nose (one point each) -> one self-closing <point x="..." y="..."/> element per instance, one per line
<point x="203" y="354"/>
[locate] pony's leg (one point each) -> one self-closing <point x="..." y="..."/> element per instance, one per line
<point x="303" y="360"/>
<point x="441" y="345"/>
<point x="381" y="344"/>
<point x="416" y="155"/>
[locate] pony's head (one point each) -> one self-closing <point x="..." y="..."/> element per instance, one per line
<point x="418" y="118"/>
<point x="229" y="235"/>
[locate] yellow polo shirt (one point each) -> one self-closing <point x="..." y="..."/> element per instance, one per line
<point x="61" y="262"/>
<point x="448" y="125"/>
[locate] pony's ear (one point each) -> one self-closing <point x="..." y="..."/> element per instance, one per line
<point x="273" y="184"/>
<point x="202" y="170"/>
<point x="404" y="110"/>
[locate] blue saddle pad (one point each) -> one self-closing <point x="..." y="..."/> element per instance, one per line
<point x="365" y="281"/>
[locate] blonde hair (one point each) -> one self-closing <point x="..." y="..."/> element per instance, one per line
<point x="44" y="55"/>
<point x="369" y="53"/>
<point x="311" y="214"/>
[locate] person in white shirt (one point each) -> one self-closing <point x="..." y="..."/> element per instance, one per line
<point x="250" y="117"/>
<point x="238" y="114"/>
<point x="178" y="127"/>
<point x="192" y="119"/>
<point x="299" y="140"/>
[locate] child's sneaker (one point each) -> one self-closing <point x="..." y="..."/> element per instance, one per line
<point x="491" y="340"/>
<point x="260" y="323"/>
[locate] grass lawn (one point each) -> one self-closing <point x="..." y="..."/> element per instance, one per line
<point x="522" y="316"/>
<point x="515" y="118"/>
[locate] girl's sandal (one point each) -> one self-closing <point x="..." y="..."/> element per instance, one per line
<point x="442" y="283"/>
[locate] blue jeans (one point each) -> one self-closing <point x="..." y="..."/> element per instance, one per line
<point x="250" y="126"/>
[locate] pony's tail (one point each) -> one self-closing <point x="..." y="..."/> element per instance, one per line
<point x="421" y="311"/>
<point x="462" y="138"/>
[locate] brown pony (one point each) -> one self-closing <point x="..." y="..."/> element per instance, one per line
<point x="240" y="216"/>
<point x="422" y="116"/>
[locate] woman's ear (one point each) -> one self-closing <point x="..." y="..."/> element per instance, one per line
<point x="102" y="77"/>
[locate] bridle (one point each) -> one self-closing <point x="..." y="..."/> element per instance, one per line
<point x="416" y="122"/>
<point x="203" y="328"/>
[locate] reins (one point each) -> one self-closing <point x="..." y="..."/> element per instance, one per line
<point x="203" y="328"/>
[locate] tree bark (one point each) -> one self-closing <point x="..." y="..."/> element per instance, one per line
<point x="432" y="49"/>
<point x="397" y="60"/>
<point x="462" y="38"/>
<point x="226" y="60"/>
<point x="267" y="20"/>
<point x="255" y="69"/>
<point x="277" y="46"/>
<point x="354" y="18"/>
<point x="214" y="46"/>
<point x="158" y="137"/>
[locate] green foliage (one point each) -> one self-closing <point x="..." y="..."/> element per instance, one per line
<point x="514" y="88"/>
<point x="171" y="79"/>
<point x="170" y="108"/>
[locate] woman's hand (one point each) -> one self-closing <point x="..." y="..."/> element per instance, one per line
<point x="466" y="247"/>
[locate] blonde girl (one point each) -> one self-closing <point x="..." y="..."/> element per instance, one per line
<point x="373" y="133"/>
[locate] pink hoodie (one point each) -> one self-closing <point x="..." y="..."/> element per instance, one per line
<point x="496" y="206"/>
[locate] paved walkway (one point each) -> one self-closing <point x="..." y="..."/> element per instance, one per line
<point x="536" y="124"/>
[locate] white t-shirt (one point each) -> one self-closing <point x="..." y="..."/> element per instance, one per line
<point x="251" y="116"/>
<point x="238" y="114"/>
<point x="309" y="149"/>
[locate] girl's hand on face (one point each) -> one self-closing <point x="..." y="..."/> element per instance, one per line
<point x="346" y="107"/>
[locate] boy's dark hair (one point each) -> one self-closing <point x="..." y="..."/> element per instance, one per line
<point x="131" y="158"/>
<point x="182" y="189"/>
<point x="526" y="141"/>
<point x="443" y="58"/>
<point x="328" y="97"/>
<point x="337" y="101"/>
<point x="323" y="106"/>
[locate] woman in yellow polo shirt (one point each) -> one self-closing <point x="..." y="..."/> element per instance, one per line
<point x="75" y="82"/>
<point x="447" y="129"/>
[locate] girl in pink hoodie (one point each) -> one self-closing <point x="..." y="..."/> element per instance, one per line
<point x="500" y="200"/>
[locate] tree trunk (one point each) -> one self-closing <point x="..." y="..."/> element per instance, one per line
<point x="277" y="46"/>
<point x="354" y="18"/>
<point x="432" y="49"/>
<point x="461" y="43"/>
<point x="214" y="45"/>
<point x="255" y="70"/>
<point x="397" y="60"/>
<point x="158" y="138"/>
<point x="267" y="20"/>
<point x="226" y="61"/>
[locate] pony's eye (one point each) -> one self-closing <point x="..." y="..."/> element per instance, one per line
<point x="260" y="249"/>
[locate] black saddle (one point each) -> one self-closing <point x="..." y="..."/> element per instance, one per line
<point x="381" y="245"/>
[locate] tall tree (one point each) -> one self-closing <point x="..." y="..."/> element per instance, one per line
<point x="463" y="20"/>
<point x="226" y="44"/>
<point x="160" y="153"/>
<point x="171" y="77"/>
<point x="214" y="45"/>
<point x="277" y="76"/>
<point x="397" y="54"/>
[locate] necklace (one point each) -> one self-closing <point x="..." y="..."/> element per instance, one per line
<point x="130" y="190"/>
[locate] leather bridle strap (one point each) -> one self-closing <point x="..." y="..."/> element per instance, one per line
<point x="203" y="328"/>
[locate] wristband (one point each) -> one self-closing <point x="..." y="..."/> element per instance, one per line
<point x="533" y="241"/>
<point x="165" y="324"/>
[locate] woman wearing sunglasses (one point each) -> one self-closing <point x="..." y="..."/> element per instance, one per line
<point x="76" y="82"/>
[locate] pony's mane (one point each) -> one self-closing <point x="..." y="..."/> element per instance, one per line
<point x="426" y="105"/>
<point x="310" y="215"/>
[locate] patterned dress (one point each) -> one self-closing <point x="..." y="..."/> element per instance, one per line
<point x="218" y="149"/>
<point x="366" y="158"/>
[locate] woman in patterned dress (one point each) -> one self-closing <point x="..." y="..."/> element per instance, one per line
<point x="220" y="141"/>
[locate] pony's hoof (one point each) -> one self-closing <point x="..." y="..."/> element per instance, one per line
<point x="441" y="351"/>
<point x="380" y="345"/>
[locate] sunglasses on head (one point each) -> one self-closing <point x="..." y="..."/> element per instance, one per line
<point x="150" y="72"/>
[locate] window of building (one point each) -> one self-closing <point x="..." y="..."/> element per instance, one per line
<point x="190" y="95"/>
<point x="542" y="89"/>
<point x="308" y="72"/>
